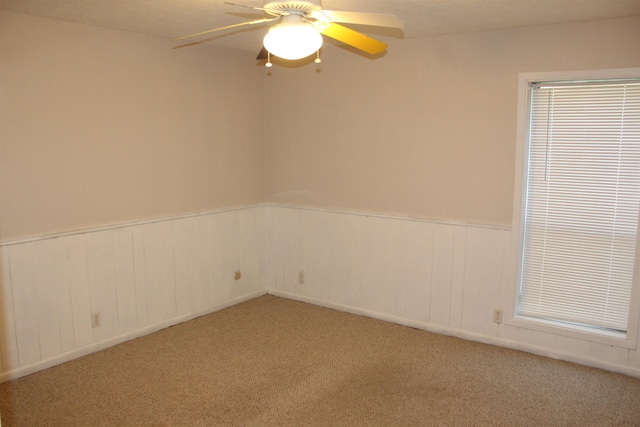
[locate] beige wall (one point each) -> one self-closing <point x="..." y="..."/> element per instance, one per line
<point x="429" y="130"/>
<point x="100" y="127"/>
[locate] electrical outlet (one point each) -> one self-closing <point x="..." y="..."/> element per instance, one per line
<point x="95" y="320"/>
<point x="301" y="277"/>
<point x="497" y="315"/>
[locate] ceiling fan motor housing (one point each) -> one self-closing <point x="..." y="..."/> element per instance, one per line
<point x="300" y="7"/>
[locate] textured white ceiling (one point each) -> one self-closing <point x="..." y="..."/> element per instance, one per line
<point x="174" y="18"/>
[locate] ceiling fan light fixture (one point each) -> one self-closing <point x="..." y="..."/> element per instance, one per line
<point x="293" y="40"/>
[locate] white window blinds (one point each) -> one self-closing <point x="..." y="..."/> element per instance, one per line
<point x="582" y="201"/>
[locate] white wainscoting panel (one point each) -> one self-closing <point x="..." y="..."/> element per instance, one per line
<point x="8" y="339"/>
<point x="139" y="278"/>
<point x="445" y="278"/>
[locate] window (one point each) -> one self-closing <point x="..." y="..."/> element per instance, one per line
<point x="580" y="205"/>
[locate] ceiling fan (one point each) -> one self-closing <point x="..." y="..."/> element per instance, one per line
<point x="300" y="25"/>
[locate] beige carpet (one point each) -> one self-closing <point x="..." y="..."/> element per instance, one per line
<point x="272" y="361"/>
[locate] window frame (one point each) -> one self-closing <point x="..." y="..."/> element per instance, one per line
<point x="628" y="340"/>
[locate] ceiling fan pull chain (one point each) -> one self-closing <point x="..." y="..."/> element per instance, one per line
<point x="268" y="64"/>
<point x="318" y="60"/>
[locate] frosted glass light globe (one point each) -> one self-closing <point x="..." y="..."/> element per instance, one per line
<point x="292" y="40"/>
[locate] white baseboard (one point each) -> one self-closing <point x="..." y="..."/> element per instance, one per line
<point x="501" y="342"/>
<point x="95" y="347"/>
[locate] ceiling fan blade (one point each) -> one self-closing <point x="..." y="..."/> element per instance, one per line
<point x="244" y="5"/>
<point x="257" y="21"/>
<point x="374" y="19"/>
<point x="269" y="11"/>
<point x="264" y="54"/>
<point x="353" y="38"/>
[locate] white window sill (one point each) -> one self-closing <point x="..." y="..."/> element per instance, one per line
<point x="585" y="333"/>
